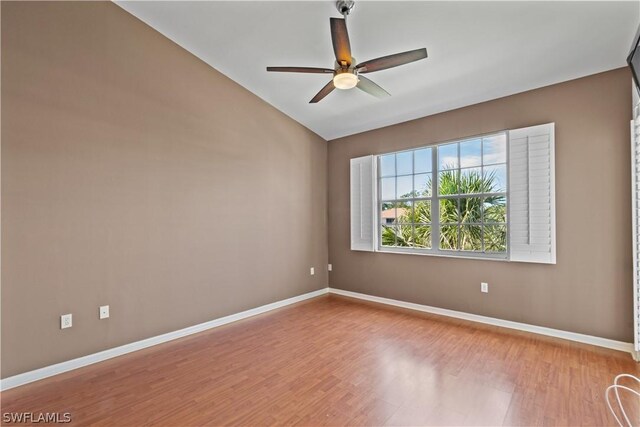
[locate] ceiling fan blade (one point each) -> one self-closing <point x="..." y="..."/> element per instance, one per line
<point x="340" y="39"/>
<point x="371" y="88"/>
<point x="300" y="70"/>
<point x="391" y="61"/>
<point x="326" y="90"/>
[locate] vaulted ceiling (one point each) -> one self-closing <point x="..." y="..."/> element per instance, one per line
<point x="477" y="50"/>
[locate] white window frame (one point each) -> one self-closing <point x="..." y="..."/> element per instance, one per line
<point x="435" y="204"/>
<point x="531" y="205"/>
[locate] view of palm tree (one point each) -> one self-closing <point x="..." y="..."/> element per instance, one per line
<point x="467" y="222"/>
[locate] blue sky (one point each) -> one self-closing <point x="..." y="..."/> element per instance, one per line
<point x="490" y="151"/>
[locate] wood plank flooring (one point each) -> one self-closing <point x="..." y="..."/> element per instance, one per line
<point x="338" y="361"/>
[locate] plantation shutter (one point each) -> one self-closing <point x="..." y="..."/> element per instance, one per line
<point x="531" y="210"/>
<point x="635" y="204"/>
<point x="362" y="203"/>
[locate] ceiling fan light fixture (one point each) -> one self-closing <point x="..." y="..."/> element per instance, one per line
<point x="345" y="81"/>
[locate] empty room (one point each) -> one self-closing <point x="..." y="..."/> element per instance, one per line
<point x="369" y="213"/>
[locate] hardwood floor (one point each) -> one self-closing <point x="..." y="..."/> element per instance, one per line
<point x="337" y="361"/>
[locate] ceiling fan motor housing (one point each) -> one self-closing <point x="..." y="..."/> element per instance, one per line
<point x="346" y="66"/>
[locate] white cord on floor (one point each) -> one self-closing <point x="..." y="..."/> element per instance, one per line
<point x="615" y="386"/>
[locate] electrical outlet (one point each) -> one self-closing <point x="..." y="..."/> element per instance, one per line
<point x="312" y="271"/>
<point x="104" y="312"/>
<point x="484" y="287"/>
<point x="66" y="321"/>
<point x="330" y="267"/>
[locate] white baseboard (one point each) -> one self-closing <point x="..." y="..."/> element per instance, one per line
<point x="90" y="359"/>
<point x="572" y="336"/>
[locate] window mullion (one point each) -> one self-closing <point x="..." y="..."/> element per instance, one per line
<point x="395" y="195"/>
<point x="482" y="198"/>
<point x="435" y="204"/>
<point x="458" y="186"/>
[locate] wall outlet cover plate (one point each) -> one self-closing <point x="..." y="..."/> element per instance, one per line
<point x="66" y="321"/>
<point x="104" y="312"/>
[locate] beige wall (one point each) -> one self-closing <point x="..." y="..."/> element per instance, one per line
<point x="590" y="289"/>
<point x="135" y="175"/>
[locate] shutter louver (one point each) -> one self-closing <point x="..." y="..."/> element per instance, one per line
<point x="532" y="194"/>
<point x="635" y="204"/>
<point x="362" y="203"/>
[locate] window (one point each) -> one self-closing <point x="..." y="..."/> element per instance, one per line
<point x="490" y="196"/>
<point x="405" y="198"/>
<point x="472" y="195"/>
<point x="466" y="209"/>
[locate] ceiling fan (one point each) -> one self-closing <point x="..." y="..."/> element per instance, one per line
<point x="346" y="73"/>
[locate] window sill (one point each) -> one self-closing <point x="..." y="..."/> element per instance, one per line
<point x="483" y="257"/>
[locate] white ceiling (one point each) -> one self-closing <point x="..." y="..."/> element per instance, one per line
<point x="477" y="50"/>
